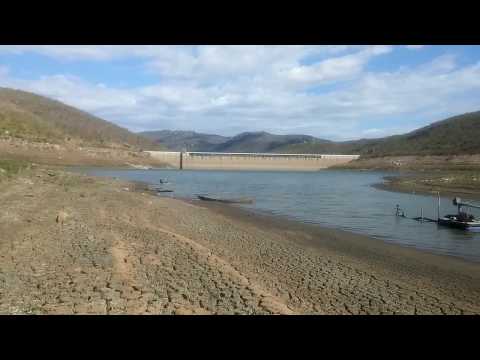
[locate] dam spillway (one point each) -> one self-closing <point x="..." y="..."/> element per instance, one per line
<point x="249" y="161"/>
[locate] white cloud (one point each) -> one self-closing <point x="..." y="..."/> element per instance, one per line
<point x="415" y="47"/>
<point x="76" y="92"/>
<point x="404" y="94"/>
<point x="228" y="89"/>
<point x="336" y="68"/>
<point x="208" y="55"/>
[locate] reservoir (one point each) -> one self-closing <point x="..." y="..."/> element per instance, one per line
<point x="338" y="199"/>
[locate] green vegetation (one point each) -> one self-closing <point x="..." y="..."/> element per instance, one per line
<point x="24" y="125"/>
<point x="467" y="180"/>
<point x="185" y="140"/>
<point x="458" y="135"/>
<point x="446" y="182"/>
<point x="37" y="118"/>
<point x="261" y="142"/>
<point x="9" y="168"/>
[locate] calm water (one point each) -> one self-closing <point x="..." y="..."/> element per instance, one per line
<point x="337" y="199"/>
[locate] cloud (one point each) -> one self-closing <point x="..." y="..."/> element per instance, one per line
<point x="402" y="95"/>
<point x="228" y="89"/>
<point x="414" y="47"/>
<point x="336" y="68"/>
<point x="207" y="55"/>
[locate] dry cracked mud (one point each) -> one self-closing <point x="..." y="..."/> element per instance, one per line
<point x="71" y="244"/>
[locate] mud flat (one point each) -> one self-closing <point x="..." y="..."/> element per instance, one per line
<point x="75" y="244"/>
<point x="416" y="163"/>
<point x="463" y="183"/>
<point x="451" y="175"/>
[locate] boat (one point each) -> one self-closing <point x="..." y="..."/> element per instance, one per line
<point x="228" y="201"/>
<point x="159" y="189"/>
<point x="462" y="219"/>
<point x="455" y="221"/>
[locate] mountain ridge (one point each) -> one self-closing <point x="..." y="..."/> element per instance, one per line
<point x="179" y="140"/>
<point x="456" y="135"/>
<point x="253" y="141"/>
<point x="38" y="118"/>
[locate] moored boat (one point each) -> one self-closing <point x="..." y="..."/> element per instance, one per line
<point x="229" y="201"/>
<point x="453" y="221"/>
<point x="462" y="219"/>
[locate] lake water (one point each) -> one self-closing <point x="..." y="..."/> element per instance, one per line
<point x="332" y="198"/>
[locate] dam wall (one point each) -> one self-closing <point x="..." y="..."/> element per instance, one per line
<point x="250" y="161"/>
<point x="170" y="158"/>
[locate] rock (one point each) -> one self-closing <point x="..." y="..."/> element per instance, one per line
<point x="61" y="217"/>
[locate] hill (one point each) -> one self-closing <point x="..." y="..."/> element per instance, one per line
<point x="458" y="135"/>
<point x="185" y="140"/>
<point x="33" y="117"/>
<point x="37" y="118"/>
<point x="260" y="142"/>
<point x="244" y="142"/>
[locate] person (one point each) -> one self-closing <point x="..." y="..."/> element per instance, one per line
<point x="399" y="212"/>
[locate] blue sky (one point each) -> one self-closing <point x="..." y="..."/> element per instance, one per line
<point x="334" y="92"/>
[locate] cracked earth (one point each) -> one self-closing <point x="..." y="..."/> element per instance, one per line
<point x="71" y="244"/>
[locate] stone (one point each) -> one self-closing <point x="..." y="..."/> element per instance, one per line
<point x="61" y="217"/>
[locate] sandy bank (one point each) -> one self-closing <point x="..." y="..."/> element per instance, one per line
<point x="74" y="244"/>
<point x="416" y="163"/>
<point x="73" y="154"/>
<point x="464" y="184"/>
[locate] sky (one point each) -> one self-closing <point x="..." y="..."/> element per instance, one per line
<point x="336" y="92"/>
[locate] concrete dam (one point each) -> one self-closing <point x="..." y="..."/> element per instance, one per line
<point x="249" y="161"/>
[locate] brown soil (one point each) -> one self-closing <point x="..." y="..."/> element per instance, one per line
<point x="73" y="154"/>
<point x="416" y="163"/>
<point x="448" y="183"/>
<point x="74" y="244"/>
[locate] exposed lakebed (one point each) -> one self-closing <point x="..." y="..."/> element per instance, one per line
<point x="332" y="198"/>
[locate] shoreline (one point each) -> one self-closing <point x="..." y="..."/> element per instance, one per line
<point x="412" y="183"/>
<point x="356" y="249"/>
<point x="89" y="245"/>
<point x="332" y="238"/>
<point x="279" y="220"/>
